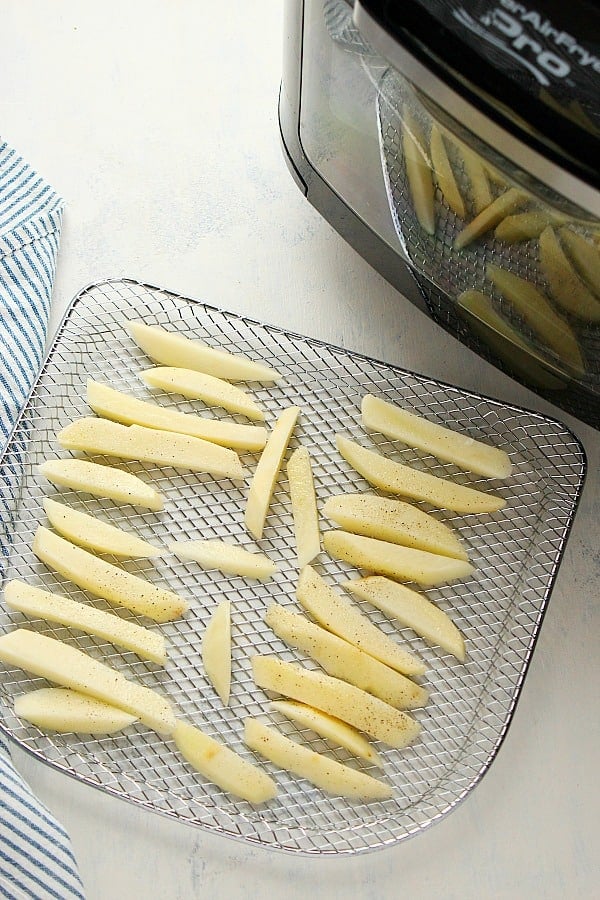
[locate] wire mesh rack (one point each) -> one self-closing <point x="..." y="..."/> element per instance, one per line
<point x="499" y="609"/>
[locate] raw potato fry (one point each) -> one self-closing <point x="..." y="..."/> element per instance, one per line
<point x="68" y="667"/>
<point x="64" y="710"/>
<point x="92" y="534"/>
<point x="553" y="330"/>
<point x="216" y="650"/>
<point x="102" y="579"/>
<point x="411" y="609"/>
<point x="489" y="217"/>
<point x="338" y="698"/>
<point x="477" y="174"/>
<point x="267" y="470"/>
<point x="304" y="506"/>
<point x="53" y="608"/>
<point x="522" y="227"/>
<point x="198" y="386"/>
<point x="222" y="766"/>
<point x="329" y="727"/>
<point x="395" y="521"/>
<point x="128" y="410"/>
<point x="400" y="425"/>
<point x="403" y="563"/>
<point x="396" y="478"/>
<point x="327" y="774"/>
<point x="226" y="557"/>
<point x="171" y="349"/>
<point x="418" y="171"/>
<point x="163" y="448"/>
<point x="566" y="287"/>
<point x="101" y="481"/>
<point x="338" y="615"/>
<point x="585" y="256"/>
<point x="344" y="660"/>
<point x="444" y="173"/>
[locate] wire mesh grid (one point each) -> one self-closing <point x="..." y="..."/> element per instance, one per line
<point x="499" y="609"/>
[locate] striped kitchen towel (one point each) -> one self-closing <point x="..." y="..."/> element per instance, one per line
<point x="36" y="858"/>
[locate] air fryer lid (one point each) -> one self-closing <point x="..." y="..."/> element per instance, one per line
<point x="529" y="69"/>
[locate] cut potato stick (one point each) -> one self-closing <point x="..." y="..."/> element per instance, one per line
<point x="101" y="481"/>
<point x="35" y="602"/>
<point x="64" y="710"/>
<point x="198" y="386"/>
<point x="216" y="650"/>
<point x="327" y="774"/>
<point x="163" y="448"/>
<point x="344" y="660"/>
<point x="444" y="173"/>
<point x="93" y="534"/>
<point x="403" y="563"/>
<point x="400" y="425"/>
<point x="553" y="330"/>
<point x="329" y="727"/>
<point x="396" y="478"/>
<point x="128" y="410"/>
<point x="105" y="580"/>
<point x="304" y="506"/>
<point x="566" y="287"/>
<point x="586" y="257"/>
<point x="418" y="171"/>
<point x="411" y="609"/>
<point x="338" y="615"/>
<point x="521" y="227"/>
<point x="489" y="217"/>
<point x="393" y="520"/>
<point x="338" y="698"/>
<point x="222" y="766"/>
<point x="171" y="349"/>
<point x="267" y="471"/>
<point x="477" y="175"/>
<point x="226" y="557"/>
<point x="68" y="667"/>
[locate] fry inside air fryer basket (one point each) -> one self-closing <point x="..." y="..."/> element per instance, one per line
<point x="565" y="286"/>
<point x="418" y="171"/>
<point x="505" y="204"/>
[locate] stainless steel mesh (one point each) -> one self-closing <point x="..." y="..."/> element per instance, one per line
<point x="499" y="610"/>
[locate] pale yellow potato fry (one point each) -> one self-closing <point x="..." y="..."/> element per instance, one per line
<point x="552" y="329"/>
<point x="393" y="520"/>
<point x="35" y="602"/>
<point x="418" y="171"/>
<point x="68" y="667"/>
<point x="329" y="727"/>
<point x="101" y="481"/>
<point x="396" y="478"/>
<point x="163" y="448"/>
<point x="113" y="584"/>
<point x="216" y="650"/>
<point x="401" y="425"/>
<point x="344" y="660"/>
<point x="170" y="349"/>
<point x="403" y="563"/>
<point x="489" y="217"/>
<point x="226" y="557"/>
<point x="411" y="609"/>
<point x="522" y="227"/>
<point x="267" y="471"/>
<point x="586" y="257"/>
<point x="128" y="410"/>
<point x="304" y="506"/>
<point x="566" y="287"/>
<point x="338" y="698"/>
<point x="64" y="710"/>
<point x="342" y="617"/>
<point x="444" y="173"/>
<point x="325" y="773"/>
<point x="94" y="534"/>
<point x="477" y="175"/>
<point x="222" y="765"/>
<point x="199" y="386"/>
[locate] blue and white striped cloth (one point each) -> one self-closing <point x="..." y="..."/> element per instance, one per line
<point x="36" y="857"/>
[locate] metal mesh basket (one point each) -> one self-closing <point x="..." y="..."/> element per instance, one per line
<point x="499" y="610"/>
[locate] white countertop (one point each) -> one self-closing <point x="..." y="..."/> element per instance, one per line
<point x="157" y="122"/>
